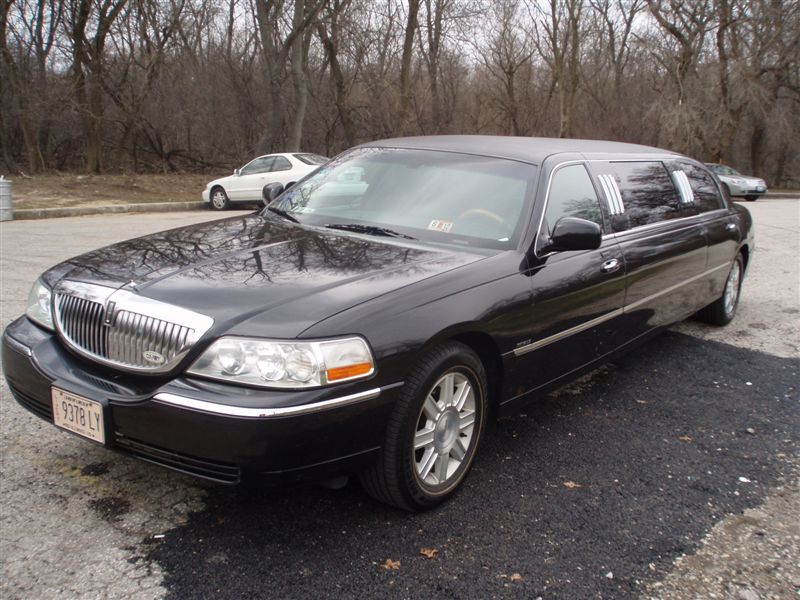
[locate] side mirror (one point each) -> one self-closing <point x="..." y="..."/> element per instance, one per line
<point x="237" y="171"/>
<point x="270" y="192"/>
<point x="571" y="233"/>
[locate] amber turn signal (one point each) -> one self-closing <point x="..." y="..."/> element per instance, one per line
<point x="349" y="371"/>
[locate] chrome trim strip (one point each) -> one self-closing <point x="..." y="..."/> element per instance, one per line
<point x="638" y="303"/>
<point x="610" y="315"/>
<point x="617" y="195"/>
<point x="15" y="344"/>
<point x="567" y="332"/>
<point x="684" y="187"/>
<point x="263" y="413"/>
<point x="612" y="207"/>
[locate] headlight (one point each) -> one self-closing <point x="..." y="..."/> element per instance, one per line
<point x="285" y="364"/>
<point x="39" y="301"/>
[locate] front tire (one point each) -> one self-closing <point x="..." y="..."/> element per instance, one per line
<point x="434" y="431"/>
<point x="722" y="311"/>
<point x="751" y="198"/>
<point x="219" y="199"/>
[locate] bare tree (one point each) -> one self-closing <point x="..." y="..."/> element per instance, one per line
<point x="328" y="29"/>
<point x="277" y="48"/>
<point x="88" y="24"/>
<point x="405" y="68"/>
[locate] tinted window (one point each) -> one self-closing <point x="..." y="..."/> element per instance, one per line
<point x="706" y="193"/>
<point x="281" y="164"/>
<point x="262" y="164"/>
<point x="647" y="192"/>
<point x="722" y="170"/>
<point x="572" y="195"/>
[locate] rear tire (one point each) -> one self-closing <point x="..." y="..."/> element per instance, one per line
<point x="722" y="311"/>
<point x="434" y="431"/>
<point x="219" y="199"/>
<point x="751" y="198"/>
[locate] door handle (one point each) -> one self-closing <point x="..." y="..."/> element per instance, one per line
<point x="610" y="266"/>
<point x="731" y="227"/>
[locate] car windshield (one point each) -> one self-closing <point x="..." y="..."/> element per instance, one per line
<point x="428" y="195"/>
<point x="311" y="159"/>
<point x="723" y="170"/>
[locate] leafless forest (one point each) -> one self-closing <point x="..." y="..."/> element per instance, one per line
<point x="172" y="85"/>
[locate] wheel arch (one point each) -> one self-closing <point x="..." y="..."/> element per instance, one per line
<point x="745" y="252"/>
<point x="482" y="344"/>
<point x="485" y="347"/>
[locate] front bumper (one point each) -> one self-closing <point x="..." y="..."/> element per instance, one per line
<point x="211" y="430"/>
<point x="206" y="195"/>
<point x="747" y="189"/>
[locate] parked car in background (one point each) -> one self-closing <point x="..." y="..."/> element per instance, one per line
<point x="247" y="183"/>
<point x="738" y="185"/>
<point x="372" y="317"/>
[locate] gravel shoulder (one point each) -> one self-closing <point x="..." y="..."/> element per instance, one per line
<point x="755" y="554"/>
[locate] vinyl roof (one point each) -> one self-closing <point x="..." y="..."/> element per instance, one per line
<point x="528" y="149"/>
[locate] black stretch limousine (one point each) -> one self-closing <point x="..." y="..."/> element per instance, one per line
<point x="367" y="318"/>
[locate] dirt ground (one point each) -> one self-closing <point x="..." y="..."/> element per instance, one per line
<point x="68" y="190"/>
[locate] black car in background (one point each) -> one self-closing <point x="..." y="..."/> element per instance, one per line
<point x="370" y="318"/>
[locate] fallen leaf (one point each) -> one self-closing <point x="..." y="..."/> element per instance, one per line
<point x="516" y="577"/>
<point x="571" y="485"/>
<point x="685" y="438"/>
<point x="429" y="552"/>
<point x="391" y="565"/>
<point x="641" y="401"/>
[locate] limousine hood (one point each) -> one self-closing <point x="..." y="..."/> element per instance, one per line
<point x="259" y="275"/>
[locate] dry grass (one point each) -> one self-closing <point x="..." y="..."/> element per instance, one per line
<point x="63" y="190"/>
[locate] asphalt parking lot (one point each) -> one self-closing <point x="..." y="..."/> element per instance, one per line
<point x="644" y="479"/>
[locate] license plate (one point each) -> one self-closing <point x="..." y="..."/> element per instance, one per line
<point x="78" y="415"/>
<point x="760" y="188"/>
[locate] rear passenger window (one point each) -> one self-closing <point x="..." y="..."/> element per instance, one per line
<point x="281" y="164"/>
<point x="572" y="195"/>
<point x="648" y="195"/>
<point x="706" y="192"/>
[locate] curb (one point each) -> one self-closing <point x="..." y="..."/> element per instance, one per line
<point x="779" y="195"/>
<point x="21" y="214"/>
<point x="78" y="211"/>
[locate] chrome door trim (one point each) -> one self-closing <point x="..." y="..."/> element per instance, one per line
<point x="567" y="333"/>
<point x="610" y="315"/>
<point x="672" y="288"/>
<point x="263" y="413"/>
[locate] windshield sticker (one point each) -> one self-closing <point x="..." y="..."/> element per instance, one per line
<point x="443" y="226"/>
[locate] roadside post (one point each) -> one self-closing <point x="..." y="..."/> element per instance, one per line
<point x="6" y="209"/>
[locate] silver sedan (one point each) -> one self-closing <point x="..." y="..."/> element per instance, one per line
<point x="738" y="185"/>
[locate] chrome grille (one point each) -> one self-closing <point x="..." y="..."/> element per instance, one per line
<point x="127" y="337"/>
<point x="82" y="323"/>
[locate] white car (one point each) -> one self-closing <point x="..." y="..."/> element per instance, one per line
<point x="247" y="183"/>
<point x="744" y="186"/>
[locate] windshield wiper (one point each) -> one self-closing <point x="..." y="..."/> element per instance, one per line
<point x="283" y="213"/>
<point x="368" y="229"/>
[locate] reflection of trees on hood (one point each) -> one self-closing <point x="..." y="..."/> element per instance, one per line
<point x="241" y="250"/>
